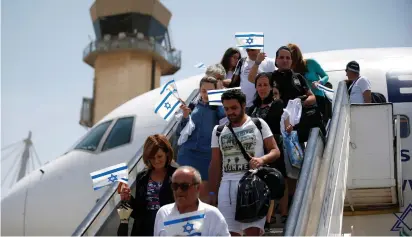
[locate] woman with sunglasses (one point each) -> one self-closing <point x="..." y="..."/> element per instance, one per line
<point x="153" y="187"/>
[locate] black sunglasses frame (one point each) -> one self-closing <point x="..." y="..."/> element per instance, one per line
<point x="183" y="186"/>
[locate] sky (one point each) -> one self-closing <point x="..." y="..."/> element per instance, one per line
<point x="43" y="76"/>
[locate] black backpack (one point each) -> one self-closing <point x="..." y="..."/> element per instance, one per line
<point x="253" y="198"/>
<point x="273" y="177"/>
<point x="274" y="180"/>
<point x="378" y="97"/>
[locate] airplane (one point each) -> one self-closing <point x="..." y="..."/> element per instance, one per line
<point x="54" y="199"/>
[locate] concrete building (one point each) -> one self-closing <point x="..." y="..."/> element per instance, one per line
<point x="131" y="51"/>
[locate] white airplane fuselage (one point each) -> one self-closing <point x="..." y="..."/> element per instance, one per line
<point x="54" y="199"/>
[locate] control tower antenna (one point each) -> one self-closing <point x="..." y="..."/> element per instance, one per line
<point x="131" y="52"/>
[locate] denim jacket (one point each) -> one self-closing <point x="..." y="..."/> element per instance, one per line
<point x="205" y="118"/>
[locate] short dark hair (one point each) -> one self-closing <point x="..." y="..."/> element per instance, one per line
<point x="278" y="52"/>
<point x="283" y="48"/>
<point x="208" y="79"/>
<point x="234" y="94"/>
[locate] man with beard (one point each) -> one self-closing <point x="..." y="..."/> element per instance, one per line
<point x="227" y="155"/>
<point x="188" y="216"/>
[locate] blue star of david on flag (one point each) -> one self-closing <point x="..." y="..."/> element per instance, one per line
<point x="188" y="228"/>
<point x="112" y="178"/>
<point x="249" y="40"/>
<point x="401" y="219"/>
<point x="110" y="175"/>
<point x="167" y="105"/>
<point x="188" y="224"/>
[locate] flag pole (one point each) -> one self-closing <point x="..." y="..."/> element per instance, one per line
<point x="177" y="91"/>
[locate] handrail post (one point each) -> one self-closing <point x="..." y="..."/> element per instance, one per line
<point x="304" y="182"/>
<point x="320" y="189"/>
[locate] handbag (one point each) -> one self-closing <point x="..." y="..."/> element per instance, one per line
<point x="272" y="177"/>
<point x="253" y="196"/>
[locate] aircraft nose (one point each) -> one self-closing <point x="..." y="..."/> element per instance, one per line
<point x="15" y="206"/>
<point x="13" y="213"/>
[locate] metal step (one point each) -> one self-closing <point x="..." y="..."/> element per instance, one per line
<point x="370" y="199"/>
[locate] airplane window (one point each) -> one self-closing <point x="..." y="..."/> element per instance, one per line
<point x="120" y="133"/>
<point x="405" y="129"/>
<point x="92" y="140"/>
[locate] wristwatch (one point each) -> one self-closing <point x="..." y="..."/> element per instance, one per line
<point x="257" y="63"/>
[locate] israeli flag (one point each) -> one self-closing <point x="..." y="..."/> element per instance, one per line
<point x="167" y="106"/>
<point x="109" y="175"/>
<point x="215" y="96"/>
<point x="200" y="66"/>
<point x="169" y="86"/>
<point x="249" y="40"/>
<point x="188" y="224"/>
<point x="329" y="93"/>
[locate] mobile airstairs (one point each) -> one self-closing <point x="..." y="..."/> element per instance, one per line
<point x="332" y="191"/>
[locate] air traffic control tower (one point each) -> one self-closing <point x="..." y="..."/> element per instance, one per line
<point x="131" y="51"/>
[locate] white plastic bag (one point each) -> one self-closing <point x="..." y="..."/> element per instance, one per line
<point x="186" y="131"/>
<point x="293" y="153"/>
<point x="292" y="111"/>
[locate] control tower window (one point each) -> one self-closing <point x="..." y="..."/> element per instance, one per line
<point x="130" y="24"/>
<point x="120" y="134"/>
<point x="91" y="141"/>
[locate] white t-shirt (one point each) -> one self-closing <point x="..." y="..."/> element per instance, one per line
<point x="234" y="165"/>
<point x="247" y="87"/>
<point x="206" y="221"/>
<point x="358" y="87"/>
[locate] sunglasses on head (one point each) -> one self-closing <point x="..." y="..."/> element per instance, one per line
<point x="182" y="186"/>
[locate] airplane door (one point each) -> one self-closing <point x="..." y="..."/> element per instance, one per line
<point x="399" y="86"/>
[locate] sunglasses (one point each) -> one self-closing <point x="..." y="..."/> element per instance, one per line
<point x="183" y="186"/>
